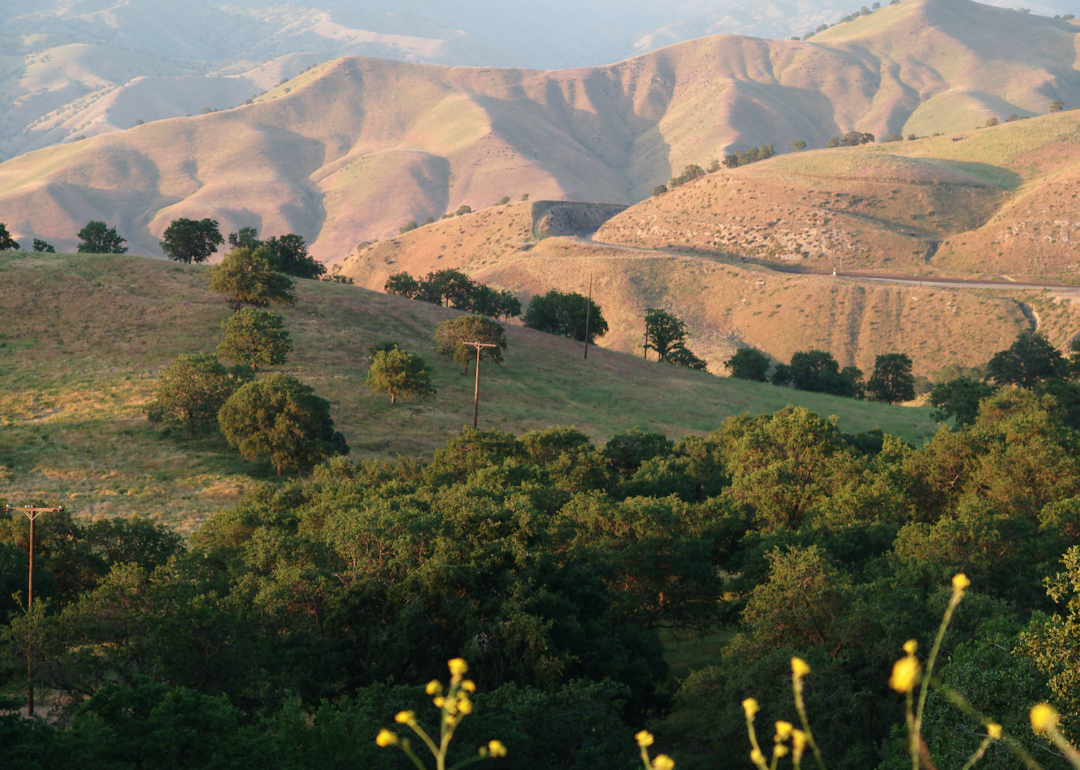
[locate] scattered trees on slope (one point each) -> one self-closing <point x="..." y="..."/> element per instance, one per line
<point x="191" y="392"/>
<point x="753" y="155"/>
<point x="42" y="247"/>
<point x="452" y="288"/>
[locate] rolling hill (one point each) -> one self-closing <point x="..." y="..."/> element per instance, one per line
<point x="352" y="149"/>
<point x="86" y="336"/>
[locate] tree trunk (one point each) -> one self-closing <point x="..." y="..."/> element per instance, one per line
<point x="393" y="398"/>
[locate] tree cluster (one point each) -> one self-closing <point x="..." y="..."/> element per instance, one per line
<point x="689" y="174"/>
<point x="753" y="155"/>
<point x="557" y="568"/>
<point x="452" y="288"/>
<point x="566" y="314"/>
<point x="666" y="334"/>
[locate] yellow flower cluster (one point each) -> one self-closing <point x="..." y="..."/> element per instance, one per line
<point x="907" y="670"/>
<point x="455" y="705"/>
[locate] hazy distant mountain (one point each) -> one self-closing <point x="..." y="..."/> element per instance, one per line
<point x="353" y="149"/>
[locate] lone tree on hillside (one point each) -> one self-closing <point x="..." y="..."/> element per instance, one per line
<point x="255" y="337"/>
<point x="247" y="277"/>
<point x="748" y="364"/>
<point x="1027" y="362"/>
<point x="43" y="247"/>
<point x="7" y="243"/>
<point x="280" y="419"/>
<point x="664" y="332"/>
<point x="191" y="391"/>
<point x="566" y="314"/>
<point x="401" y="374"/>
<point x="289" y="255"/>
<point x="98" y="238"/>
<point x="892" y="380"/>
<point x="189" y="240"/>
<point x="451" y="336"/>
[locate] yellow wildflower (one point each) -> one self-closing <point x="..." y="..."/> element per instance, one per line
<point x="468" y="685"/>
<point x="798" y="742"/>
<point x="386" y="738"/>
<point x="439" y="701"/>
<point x="799" y="667"/>
<point x="464" y="705"/>
<point x="780" y="750"/>
<point x="496" y="748"/>
<point x="663" y="762"/>
<point x="433" y="687"/>
<point x="994" y="731"/>
<point x="905" y="674"/>
<point x="405" y="718"/>
<point x="1044" y="718"/>
<point x="960" y="581"/>
<point x="910" y="646"/>
<point x="756" y="757"/>
<point x="644" y="738"/>
<point x="750" y="706"/>
<point x="458" y="667"/>
<point x="783" y="731"/>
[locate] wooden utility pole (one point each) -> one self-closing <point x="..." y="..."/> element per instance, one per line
<point x="588" y="313"/>
<point x="31" y="513"/>
<point x="476" y="393"/>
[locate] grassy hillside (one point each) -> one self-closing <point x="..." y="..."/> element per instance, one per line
<point x="85" y="337"/>
<point x="352" y="150"/>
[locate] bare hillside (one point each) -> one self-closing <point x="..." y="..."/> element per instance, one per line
<point x="353" y="149"/>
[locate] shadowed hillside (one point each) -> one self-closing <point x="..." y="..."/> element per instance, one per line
<point x="351" y="150"/>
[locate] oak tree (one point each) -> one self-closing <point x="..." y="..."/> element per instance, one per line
<point x="400" y="374"/>
<point x="255" y="337"/>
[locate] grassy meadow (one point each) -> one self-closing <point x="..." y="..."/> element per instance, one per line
<point x="84" y="338"/>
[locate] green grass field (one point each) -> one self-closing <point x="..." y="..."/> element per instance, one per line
<point x="84" y="338"/>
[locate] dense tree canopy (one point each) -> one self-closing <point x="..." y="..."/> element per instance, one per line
<point x="255" y="338"/>
<point x="399" y="374"/>
<point x="749" y="364"/>
<point x="248" y="277"/>
<point x="1027" y="362"/>
<point x="451" y="336"/>
<point x="189" y="240"/>
<point x="98" y="238"/>
<point x="892" y="380"/>
<point x="7" y="243"/>
<point x="280" y="419"/>
<point x="191" y="391"/>
<point x="566" y="315"/>
<point x="289" y="255"/>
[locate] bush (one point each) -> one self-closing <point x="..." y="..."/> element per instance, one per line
<point x="191" y="391"/>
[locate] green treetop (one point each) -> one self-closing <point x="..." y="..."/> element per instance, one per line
<point x="255" y="337"/>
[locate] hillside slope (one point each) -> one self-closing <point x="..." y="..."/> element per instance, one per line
<point x="85" y="337"/>
<point x="353" y="149"/>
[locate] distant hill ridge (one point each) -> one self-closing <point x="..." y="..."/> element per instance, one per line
<point x="353" y="149"/>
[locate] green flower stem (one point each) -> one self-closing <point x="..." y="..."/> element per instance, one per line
<point x="753" y="742"/>
<point x="954" y="601"/>
<point x="796" y="686"/>
<point x="411" y="755"/>
<point x="978" y="753"/>
<point x="1066" y="748"/>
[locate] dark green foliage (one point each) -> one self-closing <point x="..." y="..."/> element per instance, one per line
<point x="681" y="356"/>
<point x="664" y="332"/>
<point x="407" y="227"/>
<point x="98" y="238"/>
<point x="892" y="380"/>
<point x="753" y="155"/>
<point x="188" y="240"/>
<point x="800" y="144"/>
<point x="7" y="243"/>
<point x="281" y="420"/>
<point x="42" y="247"/>
<point x="452" y="287"/>
<point x="191" y="391"/>
<point x="247" y="238"/>
<point x="447" y="288"/>
<point x="462" y="209"/>
<point x="960" y="399"/>
<point x="1027" y="362"/>
<point x="495" y="304"/>
<point x="817" y="371"/>
<point x="748" y="364"/>
<point x="289" y="255"/>
<point x="255" y="338"/>
<point x="566" y="315"/>
<point x="689" y="174"/>
<point x="382" y="346"/>
<point x="400" y="374"/>
<point x="249" y="277"/>
<point x="451" y="336"/>
<point x="855" y="138"/>
<point x="402" y="285"/>
<point x="781" y="376"/>
<point x="659" y="190"/>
